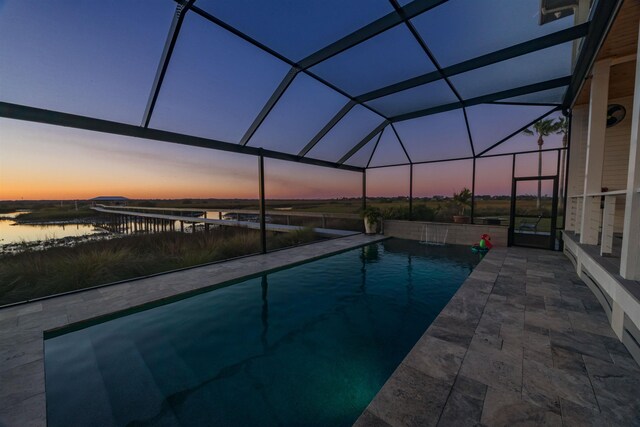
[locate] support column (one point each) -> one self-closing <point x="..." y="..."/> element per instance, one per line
<point x="364" y="189"/>
<point x="630" y="259"/>
<point x="608" y="218"/>
<point x="473" y="191"/>
<point x="263" y="225"/>
<point x="595" y="152"/>
<point x="411" y="192"/>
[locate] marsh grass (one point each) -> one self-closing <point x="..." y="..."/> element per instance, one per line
<point x="34" y="274"/>
<point x="67" y="213"/>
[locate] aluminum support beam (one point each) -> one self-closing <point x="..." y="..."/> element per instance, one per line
<point x="482" y="61"/>
<point x="339" y="115"/>
<point x="523" y="90"/>
<point x="375" y="147"/>
<point x="172" y="37"/>
<point x="39" y="115"/>
<point x="364" y="141"/>
<point x="385" y="23"/>
<point x="263" y="208"/>
<point x="512" y="134"/>
<point x="271" y="102"/>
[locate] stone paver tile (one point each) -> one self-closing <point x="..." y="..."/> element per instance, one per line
<point x="564" y="303"/>
<point x="540" y="380"/>
<point x="540" y="355"/>
<point x="487" y="369"/>
<point x="464" y="406"/>
<point x="436" y="358"/>
<point x="43" y="320"/>
<point x="567" y="360"/>
<point x="482" y="341"/>
<point x="547" y="320"/>
<point x="594" y="323"/>
<point x="31" y="412"/>
<point x="461" y="410"/>
<point x="367" y="419"/>
<point x="542" y="289"/>
<point x="580" y="342"/>
<point x="484" y="275"/>
<point x="502" y="408"/>
<point x="529" y="301"/>
<point x="21" y="383"/>
<point x="452" y="330"/>
<point x="578" y="416"/>
<point x="471" y="388"/>
<point x="616" y="389"/>
<point x="410" y="398"/>
<point x="21" y="349"/>
<point x="488" y="326"/>
<point x="625" y="361"/>
<point x="505" y="312"/>
<point x="464" y="308"/>
<point x="541" y="271"/>
<point x="509" y="289"/>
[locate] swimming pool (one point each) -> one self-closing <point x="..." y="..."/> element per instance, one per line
<point x="308" y="345"/>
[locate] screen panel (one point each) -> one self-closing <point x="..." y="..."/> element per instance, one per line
<point x="540" y="66"/>
<point x="361" y="157"/>
<point x="388" y="58"/>
<point x="435" y="137"/>
<point x="414" y="99"/>
<point x="86" y="58"/>
<point x="493" y="190"/>
<point x="459" y="30"/>
<point x="216" y="83"/>
<point x="305" y="107"/>
<point x="297" y="28"/>
<point x="524" y="142"/>
<point x="348" y="132"/>
<point x="389" y="150"/>
<point x="490" y="123"/>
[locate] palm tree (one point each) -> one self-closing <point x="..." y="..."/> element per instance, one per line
<point x="563" y="129"/>
<point x="541" y="128"/>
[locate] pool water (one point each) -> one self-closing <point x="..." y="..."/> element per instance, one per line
<point x="308" y="345"/>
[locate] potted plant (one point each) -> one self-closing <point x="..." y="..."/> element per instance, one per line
<point x="462" y="201"/>
<point x="371" y="216"/>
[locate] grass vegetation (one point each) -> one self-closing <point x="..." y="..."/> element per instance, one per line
<point x="65" y="213"/>
<point x="39" y="273"/>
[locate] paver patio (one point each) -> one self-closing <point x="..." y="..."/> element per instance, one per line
<point x="523" y="342"/>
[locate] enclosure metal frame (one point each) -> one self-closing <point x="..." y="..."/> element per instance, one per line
<point x="594" y="31"/>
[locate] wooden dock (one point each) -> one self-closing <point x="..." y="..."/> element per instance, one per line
<point x="126" y="219"/>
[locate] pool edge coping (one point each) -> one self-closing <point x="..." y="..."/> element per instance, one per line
<point x="482" y="276"/>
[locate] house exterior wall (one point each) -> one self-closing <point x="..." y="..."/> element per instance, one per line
<point x="615" y="162"/>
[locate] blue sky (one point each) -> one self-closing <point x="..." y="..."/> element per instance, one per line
<point x="95" y="59"/>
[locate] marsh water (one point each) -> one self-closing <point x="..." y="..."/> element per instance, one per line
<point x="12" y="232"/>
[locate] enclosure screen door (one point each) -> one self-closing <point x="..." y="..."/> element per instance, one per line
<point x="534" y="209"/>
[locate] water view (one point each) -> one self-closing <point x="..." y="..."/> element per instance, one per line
<point x="14" y="232"/>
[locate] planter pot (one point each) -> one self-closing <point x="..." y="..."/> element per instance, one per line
<point x="370" y="227"/>
<point x="460" y="219"/>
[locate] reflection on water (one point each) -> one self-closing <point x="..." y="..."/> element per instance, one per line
<point x="10" y="232"/>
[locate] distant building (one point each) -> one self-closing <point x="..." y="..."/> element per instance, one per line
<point x="109" y="200"/>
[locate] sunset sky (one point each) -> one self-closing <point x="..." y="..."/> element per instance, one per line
<point x="89" y="58"/>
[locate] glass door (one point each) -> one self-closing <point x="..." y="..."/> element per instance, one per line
<point x="534" y="211"/>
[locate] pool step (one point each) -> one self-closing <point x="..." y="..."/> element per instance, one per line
<point x="130" y="384"/>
